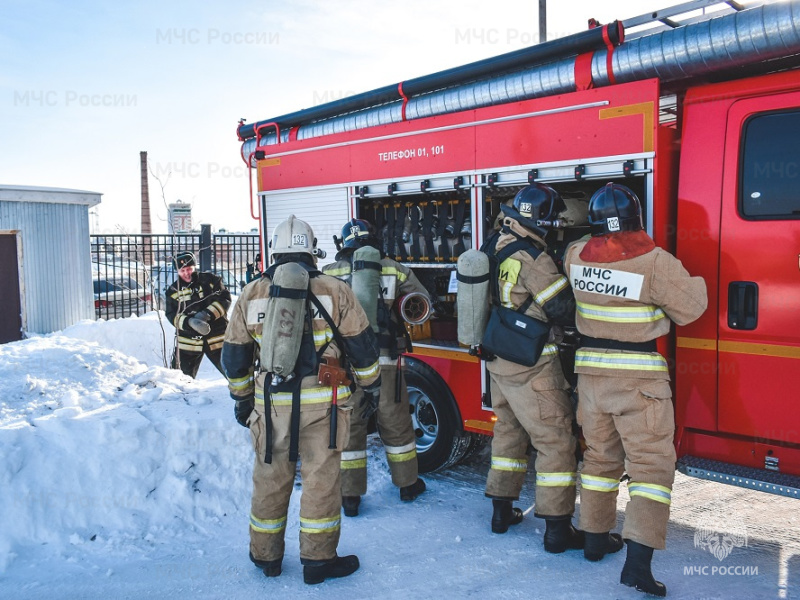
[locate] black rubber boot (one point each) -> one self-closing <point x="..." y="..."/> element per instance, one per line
<point x="504" y="514"/>
<point x="560" y="535"/>
<point x="599" y="544"/>
<point x="315" y="571"/>
<point x="271" y="568"/>
<point x="350" y="505"/>
<point x="410" y="492"/>
<point x="637" y="574"/>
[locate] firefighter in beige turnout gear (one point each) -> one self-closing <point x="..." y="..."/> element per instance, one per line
<point x="335" y="328"/>
<point x="393" y="416"/>
<point x="627" y="292"/>
<point x="531" y="403"/>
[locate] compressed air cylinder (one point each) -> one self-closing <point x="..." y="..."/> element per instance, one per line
<point x="472" y="300"/>
<point x="284" y="320"/>
<point x="366" y="281"/>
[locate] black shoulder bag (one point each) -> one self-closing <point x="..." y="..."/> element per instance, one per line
<point x="511" y="334"/>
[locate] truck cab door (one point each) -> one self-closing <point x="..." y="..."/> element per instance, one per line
<point x="759" y="277"/>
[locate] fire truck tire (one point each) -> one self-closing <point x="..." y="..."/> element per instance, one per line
<point x="441" y="441"/>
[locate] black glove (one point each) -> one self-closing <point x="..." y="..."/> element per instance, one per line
<point x="242" y="410"/>
<point x="199" y="322"/>
<point x="370" y="399"/>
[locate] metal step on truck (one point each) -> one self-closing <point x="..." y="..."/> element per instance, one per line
<point x="696" y="108"/>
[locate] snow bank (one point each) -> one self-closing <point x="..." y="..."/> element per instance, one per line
<point x="110" y="447"/>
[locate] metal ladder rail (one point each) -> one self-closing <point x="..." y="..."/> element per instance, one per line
<point x="666" y="17"/>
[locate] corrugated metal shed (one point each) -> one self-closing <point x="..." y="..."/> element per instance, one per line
<point x="55" y="268"/>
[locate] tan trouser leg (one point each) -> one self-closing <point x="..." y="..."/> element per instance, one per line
<point x="321" y="502"/>
<point x="396" y="429"/>
<point x="509" y="450"/>
<point x="354" y="457"/>
<point x="628" y="420"/>
<point x="541" y="405"/>
<point x="272" y="486"/>
<point x="603" y="461"/>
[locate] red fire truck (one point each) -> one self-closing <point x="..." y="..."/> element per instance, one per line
<point x="699" y="116"/>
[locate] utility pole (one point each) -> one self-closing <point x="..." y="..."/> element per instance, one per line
<point x="542" y="21"/>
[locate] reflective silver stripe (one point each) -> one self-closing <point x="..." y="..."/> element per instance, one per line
<point x="614" y="360"/>
<point x="354" y="454"/>
<point x="267" y="526"/>
<point x="316" y="395"/>
<point x="659" y="493"/>
<point x="400" y="449"/>
<point x="620" y="314"/>
<point x="501" y="463"/>
<point x="551" y="290"/>
<point x="556" y="479"/>
<point x="549" y="349"/>
<point x="240" y="384"/>
<point x="599" y="484"/>
<point x="367" y="372"/>
<point x="319" y="525"/>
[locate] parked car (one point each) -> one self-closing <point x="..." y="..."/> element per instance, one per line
<point x="119" y="298"/>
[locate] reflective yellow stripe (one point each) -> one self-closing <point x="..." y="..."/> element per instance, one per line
<point x="549" y="349"/>
<point x="659" y="493"/>
<point x="551" y="291"/>
<point x="367" y="372"/>
<point x="632" y="361"/>
<point x="315" y="395"/>
<point x="179" y="321"/>
<point x="401" y="453"/>
<point x="620" y="314"/>
<point x="394" y="271"/>
<point x="501" y="463"/>
<point x="322" y="337"/>
<point x="217" y="309"/>
<point x="340" y="272"/>
<point x="240" y="383"/>
<point x="509" y="274"/>
<point x="354" y="459"/>
<point x="599" y="484"/>
<point x="267" y="526"/>
<point x="556" y="479"/>
<point x="319" y="525"/>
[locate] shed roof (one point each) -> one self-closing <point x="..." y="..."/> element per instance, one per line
<point x="32" y="193"/>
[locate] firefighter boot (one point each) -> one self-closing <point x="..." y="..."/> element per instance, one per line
<point x="560" y="535"/>
<point x="637" y="574"/>
<point x="317" y="571"/>
<point x="410" y="492"/>
<point x="350" y="505"/>
<point x="271" y="568"/>
<point x="600" y="544"/>
<point x="504" y="514"/>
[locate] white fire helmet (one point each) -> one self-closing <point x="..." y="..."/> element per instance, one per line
<point x="293" y="235"/>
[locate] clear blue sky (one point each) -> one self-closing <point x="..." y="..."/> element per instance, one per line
<point x="85" y="84"/>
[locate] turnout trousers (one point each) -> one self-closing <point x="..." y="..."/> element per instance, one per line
<point x="321" y="500"/>
<point x="396" y="431"/>
<point x="189" y="352"/>
<point x="532" y="406"/>
<point x="628" y="424"/>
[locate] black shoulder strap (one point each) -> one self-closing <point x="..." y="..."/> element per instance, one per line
<point x="324" y="314"/>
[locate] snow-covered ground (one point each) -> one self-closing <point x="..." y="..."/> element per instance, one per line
<point x="122" y="479"/>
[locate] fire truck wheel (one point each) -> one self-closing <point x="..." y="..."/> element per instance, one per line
<point x="441" y="441"/>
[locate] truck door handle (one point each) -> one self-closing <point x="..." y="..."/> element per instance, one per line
<point x="742" y="305"/>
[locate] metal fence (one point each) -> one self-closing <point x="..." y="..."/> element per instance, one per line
<point x="131" y="273"/>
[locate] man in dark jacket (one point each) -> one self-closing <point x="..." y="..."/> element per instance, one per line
<point x="197" y="305"/>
